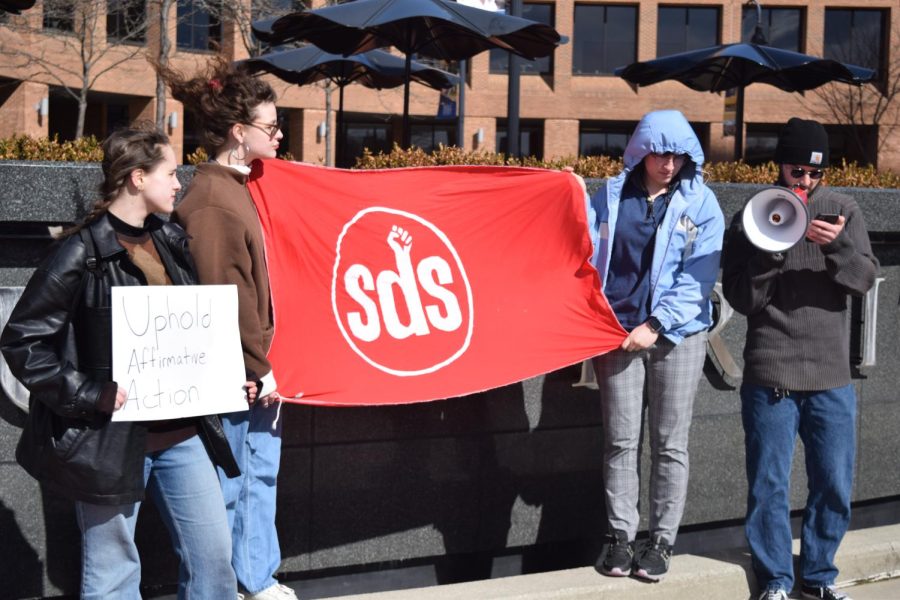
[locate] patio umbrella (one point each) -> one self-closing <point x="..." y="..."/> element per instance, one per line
<point x="719" y="68"/>
<point x="376" y="69"/>
<point x="15" y="6"/>
<point x="440" y="29"/>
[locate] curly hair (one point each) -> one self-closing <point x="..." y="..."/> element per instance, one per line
<point x="126" y="150"/>
<point x="221" y="96"/>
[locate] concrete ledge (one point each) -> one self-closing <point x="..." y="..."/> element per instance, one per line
<point x="865" y="554"/>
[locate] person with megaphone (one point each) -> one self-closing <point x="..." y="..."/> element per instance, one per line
<point x="797" y="360"/>
<point x="658" y="233"/>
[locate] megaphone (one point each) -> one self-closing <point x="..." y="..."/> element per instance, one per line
<point x="775" y="219"/>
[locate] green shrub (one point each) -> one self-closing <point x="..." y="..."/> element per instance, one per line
<point x="87" y="149"/>
<point x="23" y="147"/>
<point x="843" y="175"/>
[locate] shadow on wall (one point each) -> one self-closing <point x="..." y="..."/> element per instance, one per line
<point x="26" y="570"/>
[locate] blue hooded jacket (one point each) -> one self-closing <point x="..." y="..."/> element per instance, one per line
<point x="689" y="239"/>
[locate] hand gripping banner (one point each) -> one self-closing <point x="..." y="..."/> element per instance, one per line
<point x="406" y="285"/>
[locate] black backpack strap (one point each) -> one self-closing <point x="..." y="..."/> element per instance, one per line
<point x="91" y="261"/>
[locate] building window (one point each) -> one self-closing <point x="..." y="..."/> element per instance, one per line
<point x="59" y="15"/>
<point x="284" y="122"/>
<point x="268" y="9"/>
<point x="376" y="136"/>
<point x="783" y="27"/>
<point x="605" y="37"/>
<point x="499" y="59"/>
<point x="198" y="29"/>
<point x="531" y="137"/>
<point x="596" y="138"/>
<point x="855" y="36"/>
<point x="428" y="136"/>
<point x="760" y="142"/>
<point x="680" y="29"/>
<point x="844" y="143"/>
<point x="264" y="9"/>
<point x="126" y="20"/>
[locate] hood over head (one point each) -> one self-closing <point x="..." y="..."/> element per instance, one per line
<point x="663" y="131"/>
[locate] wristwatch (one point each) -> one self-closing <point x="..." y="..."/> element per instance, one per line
<point x="654" y="325"/>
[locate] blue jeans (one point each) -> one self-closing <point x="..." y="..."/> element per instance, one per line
<point x="826" y="422"/>
<point x="182" y="482"/>
<point x="250" y="498"/>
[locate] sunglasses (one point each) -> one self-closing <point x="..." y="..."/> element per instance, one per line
<point x="798" y="173"/>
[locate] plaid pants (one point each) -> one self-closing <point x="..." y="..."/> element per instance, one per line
<point x="670" y="373"/>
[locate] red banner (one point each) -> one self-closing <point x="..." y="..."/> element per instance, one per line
<point x="406" y="285"/>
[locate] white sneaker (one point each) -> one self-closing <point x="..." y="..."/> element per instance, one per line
<point x="276" y="591"/>
<point x="778" y="594"/>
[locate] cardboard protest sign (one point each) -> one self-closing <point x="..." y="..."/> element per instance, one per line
<point x="177" y="351"/>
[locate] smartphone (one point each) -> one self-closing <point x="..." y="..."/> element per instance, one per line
<point x="828" y="217"/>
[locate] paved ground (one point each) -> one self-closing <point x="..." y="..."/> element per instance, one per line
<point x="865" y="554"/>
<point x="881" y="590"/>
<point x="869" y="562"/>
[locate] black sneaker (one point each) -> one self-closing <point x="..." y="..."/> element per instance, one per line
<point x="619" y="555"/>
<point x="827" y="592"/>
<point x="653" y="562"/>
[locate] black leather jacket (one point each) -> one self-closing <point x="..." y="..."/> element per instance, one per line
<point x="58" y="344"/>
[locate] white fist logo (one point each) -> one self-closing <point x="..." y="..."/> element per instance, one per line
<point x="422" y="299"/>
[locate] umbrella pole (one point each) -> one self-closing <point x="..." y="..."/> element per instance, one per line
<point x="461" y="107"/>
<point x="739" y="126"/>
<point x="407" y="137"/>
<point x="339" y="138"/>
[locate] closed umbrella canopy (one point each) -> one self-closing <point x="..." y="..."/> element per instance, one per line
<point x="374" y="69"/>
<point x="15" y="6"/>
<point x="720" y="68"/>
<point x="434" y="28"/>
<point x="723" y="67"/>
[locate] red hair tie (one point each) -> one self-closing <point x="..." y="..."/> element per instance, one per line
<point x="215" y="84"/>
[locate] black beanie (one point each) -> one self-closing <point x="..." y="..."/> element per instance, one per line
<point x="804" y="143"/>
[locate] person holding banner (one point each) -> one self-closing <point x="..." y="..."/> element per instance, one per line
<point x="69" y="442"/>
<point x="797" y="369"/>
<point x="239" y="124"/>
<point x="658" y="239"/>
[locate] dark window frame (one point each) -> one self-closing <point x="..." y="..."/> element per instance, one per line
<point x="748" y="14"/>
<point x="435" y="124"/>
<point x="881" y="64"/>
<point x="605" y="7"/>
<point x="527" y="65"/>
<point x="186" y="9"/>
<point x="526" y="126"/>
<point x="119" y="20"/>
<point x="59" y="21"/>
<point x="605" y="128"/>
<point x="717" y="9"/>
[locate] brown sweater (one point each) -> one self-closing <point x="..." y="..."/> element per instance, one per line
<point x="227" y="245"/>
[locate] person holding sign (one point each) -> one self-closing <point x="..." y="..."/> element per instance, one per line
<point x="69" y="442"/>
<point x="658" y="238"/>
<point x="239" y="124"/>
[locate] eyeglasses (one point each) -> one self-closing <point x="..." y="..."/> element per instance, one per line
<point x="665" y="156"/>
<point x="270" y="129"/>
<point x="798" y="173"/>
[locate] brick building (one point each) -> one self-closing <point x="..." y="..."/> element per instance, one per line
<point x="570" y="102"/>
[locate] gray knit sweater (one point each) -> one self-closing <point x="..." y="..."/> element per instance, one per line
<point x="798" y="335"/>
